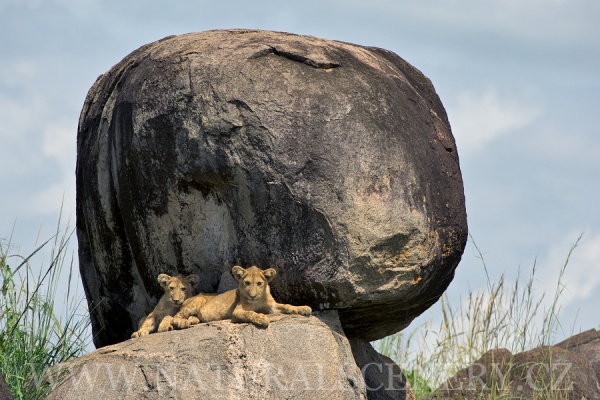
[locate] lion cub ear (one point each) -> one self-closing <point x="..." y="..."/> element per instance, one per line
<point x="238" y="272"/>
<point x="193" y="280"/>
<point x="164" y="279"/>
<point x="269" y="274"/>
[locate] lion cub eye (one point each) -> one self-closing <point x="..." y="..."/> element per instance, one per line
<point x="247" y="283"/>
<point x="258" y="283"/>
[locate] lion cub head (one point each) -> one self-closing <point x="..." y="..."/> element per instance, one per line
<point x="253" y="282"/>
<point x="178" y="288"/>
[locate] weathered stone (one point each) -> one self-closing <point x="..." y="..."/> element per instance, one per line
<point x="296" y="357"/>
<point x="383" y="378"/>
<point x="543" y="372"/>
<point x="5" y="393"/>
<point x="586" y="344"/>
<point x="332" y="162"/>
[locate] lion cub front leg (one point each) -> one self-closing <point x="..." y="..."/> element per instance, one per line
<point x="290" y="309"/>
<point x="166" y="324"/>
<point x="183" y="320"/>
<point x="189" y="312"/>
<point x="240" y="314"/>
<point x="147" y="326"/>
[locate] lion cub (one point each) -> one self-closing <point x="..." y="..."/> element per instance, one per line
<point x="249" y="302"/>
<point x="188" y="314"/>
<point x="177" y="289"/>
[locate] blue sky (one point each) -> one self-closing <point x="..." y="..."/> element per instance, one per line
<point x="520" y="80"/>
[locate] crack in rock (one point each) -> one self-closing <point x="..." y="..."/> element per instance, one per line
<point x="297" y="58"/>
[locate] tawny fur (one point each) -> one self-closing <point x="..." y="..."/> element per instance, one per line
<point x="188" y="314"/>
<point x="177" y="289"/>
<point x="249" y="302"/>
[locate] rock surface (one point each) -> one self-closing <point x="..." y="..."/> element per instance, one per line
<point x="331" y="162"/>
<point x="586" y="344"/>
<point x="5" y="393"/>
<point x="538" y="373"/>
<point x="383" y="378"/>
<point x="296" y="357"/>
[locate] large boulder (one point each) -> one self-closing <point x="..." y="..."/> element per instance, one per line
<point x="296" y="357"/>
<point x="332" y="162"/>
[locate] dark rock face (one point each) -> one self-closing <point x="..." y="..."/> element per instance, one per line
<point x="383" y="378"/>
<point x="5" y="393"/>
<point x="331" y="162"/>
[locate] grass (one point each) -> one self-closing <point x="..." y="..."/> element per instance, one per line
<point x="498" y="316"/>
<point x="33" y="337"/>
<point x="36" y="332"/>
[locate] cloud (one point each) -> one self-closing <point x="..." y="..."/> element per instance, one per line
<point x="18" y="74"/>
<point x="38" y="158"/>
<point x="582" y="273"/>
<point x="38" y="143"/>
<point x="539" y="21"/>
<point x="479" y="118"/>
<point x="18" y="134"/>
<point x="58" y="146"/>
<point x="60" y="142"/>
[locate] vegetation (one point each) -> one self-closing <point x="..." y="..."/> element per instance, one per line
<point x="496" y="317"/>
<point x="34" y="337"/>
<point x="34" y="333"/>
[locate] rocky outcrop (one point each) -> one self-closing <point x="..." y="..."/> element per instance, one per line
<point x="586" y="344"/>
<point x="568" y="370"/>
<point x="331" y="162"/>
<point x="295" y="357"/>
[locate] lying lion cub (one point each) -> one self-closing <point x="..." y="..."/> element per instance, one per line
<point x="177" y="290"/>
<point x="188" y="314"/>
<point x="248" y="303"/>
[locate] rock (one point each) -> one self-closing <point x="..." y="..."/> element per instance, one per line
<point x="296" y="357"/>
<point x="333" y="163"/>
<point x="483" y="376"/>
<point x="544" y="372"/>
<point x="383" y="378"/>
<point x="586" y="344"/>
<point x="5" y="393"/>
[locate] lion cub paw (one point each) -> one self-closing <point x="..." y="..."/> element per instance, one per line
<point x="193" y="320"/>
<point x="304" y="310"/>
<point x="166" y="324"/>
<point x="139" y="334"/>
<point x="261" y="320"/>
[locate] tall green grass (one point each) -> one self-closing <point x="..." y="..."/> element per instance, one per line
<point x="37" y="330"/>
<point x="497" y="316"/>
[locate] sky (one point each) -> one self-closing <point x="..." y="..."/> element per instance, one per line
<point x="520" y="80"/>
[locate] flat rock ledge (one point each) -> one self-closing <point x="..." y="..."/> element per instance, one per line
<point x="295" y="357"/>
